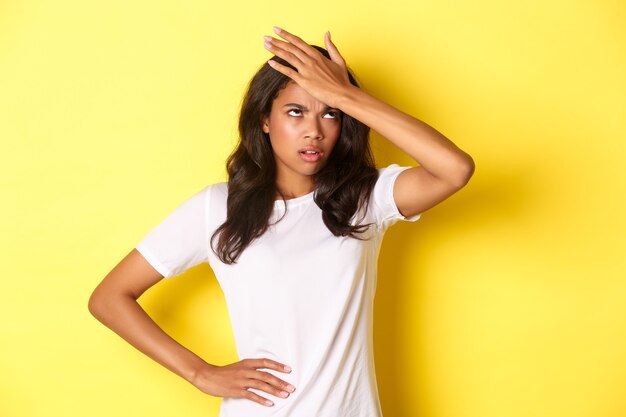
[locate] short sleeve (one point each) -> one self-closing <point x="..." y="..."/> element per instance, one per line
<point x="180" y="240"/>
<point x="383" y="204"/>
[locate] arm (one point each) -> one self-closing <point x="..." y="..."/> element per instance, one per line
<point x="114" y="303"/>
<point x="444" y="168"/>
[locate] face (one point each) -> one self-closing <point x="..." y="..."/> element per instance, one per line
<point x="302" y="131"/>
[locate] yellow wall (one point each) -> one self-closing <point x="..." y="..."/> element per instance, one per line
<point x="507" y="300"/>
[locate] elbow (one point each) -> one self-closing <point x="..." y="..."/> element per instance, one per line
<point x="105" y="302"/>
<point x="101" y="304"/>
<point x="96" y="305"/>
<point x="464" y="170"/>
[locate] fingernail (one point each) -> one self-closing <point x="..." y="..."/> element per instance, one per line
<point x="284" y="394"/>
<point x="269" y="403"/>
<point x="277" y="29"/>
<point x="290" y="388"/>
<point x="267" y="38"/>
<point x="288" y="369"/>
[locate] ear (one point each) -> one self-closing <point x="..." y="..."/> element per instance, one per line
<point x="265" y="124"/>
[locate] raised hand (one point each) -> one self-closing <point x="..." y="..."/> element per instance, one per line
<point x="323" y="78"/>
<point x="234" y="380"/>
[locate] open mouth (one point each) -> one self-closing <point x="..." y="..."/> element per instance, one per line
<point x="311" y="153"/>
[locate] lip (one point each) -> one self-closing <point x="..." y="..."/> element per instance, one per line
<point x="310" y="157"/>
<point x="310" y="148"/>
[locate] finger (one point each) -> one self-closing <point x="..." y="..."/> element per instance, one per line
<point x="294" y="75"/>
<point x="335" y="56"/>
<point x="296" y="41"/>
<point x="274" y="381"/>
<point x="267" y="363"/>
<point x="256" y="398"/>
<point x="286" y="51"/>
<point x="288" y="47"/>
<point x="265" y="387"/>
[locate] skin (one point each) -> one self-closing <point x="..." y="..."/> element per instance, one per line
<point x="319" y="83"/>
<point x="443" y="167"/>
<point x="296" y="120"/>
<point x="114" y="303"/>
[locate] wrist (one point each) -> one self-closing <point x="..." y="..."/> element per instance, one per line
<point x="198" y="372"/>
<point x="348" y="97"/>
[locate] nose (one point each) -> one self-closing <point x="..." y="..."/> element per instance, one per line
<point x="313" y="129"/>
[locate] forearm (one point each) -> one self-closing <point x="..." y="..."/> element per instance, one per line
<point x="124" y="316"/>
<point x="432" y="150"/>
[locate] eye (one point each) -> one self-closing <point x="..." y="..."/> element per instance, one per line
<point x="297" y="111"/>
<point x="331" y="115"/>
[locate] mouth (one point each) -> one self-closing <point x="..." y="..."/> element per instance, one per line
<point x="311" y="153"/>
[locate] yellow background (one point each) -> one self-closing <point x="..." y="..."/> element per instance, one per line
<point x="507" y="300"/>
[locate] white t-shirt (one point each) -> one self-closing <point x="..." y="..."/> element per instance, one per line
<point x="298" y="295"/>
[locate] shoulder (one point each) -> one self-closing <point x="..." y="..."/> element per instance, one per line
<point x="216" y="200"/>
<point x="206" y="199"/>
<point x="206" y="194"/>
<point x="390" y="171"/>
<point x="217" y="190"/>
<point x="383" y="189"/>
<point x="382" y="205"/>
<point x="216" y="196"/>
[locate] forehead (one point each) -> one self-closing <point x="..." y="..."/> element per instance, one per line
<point x="293" y="93"/>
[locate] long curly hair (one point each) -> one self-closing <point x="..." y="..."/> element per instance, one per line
<point x="342" y="187"/>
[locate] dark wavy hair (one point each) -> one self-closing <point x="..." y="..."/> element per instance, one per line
<point x="342" y="187"/>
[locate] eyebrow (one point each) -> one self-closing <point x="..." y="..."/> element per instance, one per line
<point x="304" y="108"/>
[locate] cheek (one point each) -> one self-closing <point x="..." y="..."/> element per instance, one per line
<point x="282" y="128"/>
<point x="281" y="136"/>
<point x="332" y="132"/>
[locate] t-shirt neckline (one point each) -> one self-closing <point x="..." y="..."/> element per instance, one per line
<point x="295" y="201"/>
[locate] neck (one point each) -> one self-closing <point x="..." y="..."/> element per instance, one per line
<point x="294" y="188"/>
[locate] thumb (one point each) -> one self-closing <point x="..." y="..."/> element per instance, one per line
<point x="335" y="56"/>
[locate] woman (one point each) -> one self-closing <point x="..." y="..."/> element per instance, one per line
<point x="293" y="239"/>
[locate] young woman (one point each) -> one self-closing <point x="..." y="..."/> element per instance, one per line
<point x="293" y="239"/>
